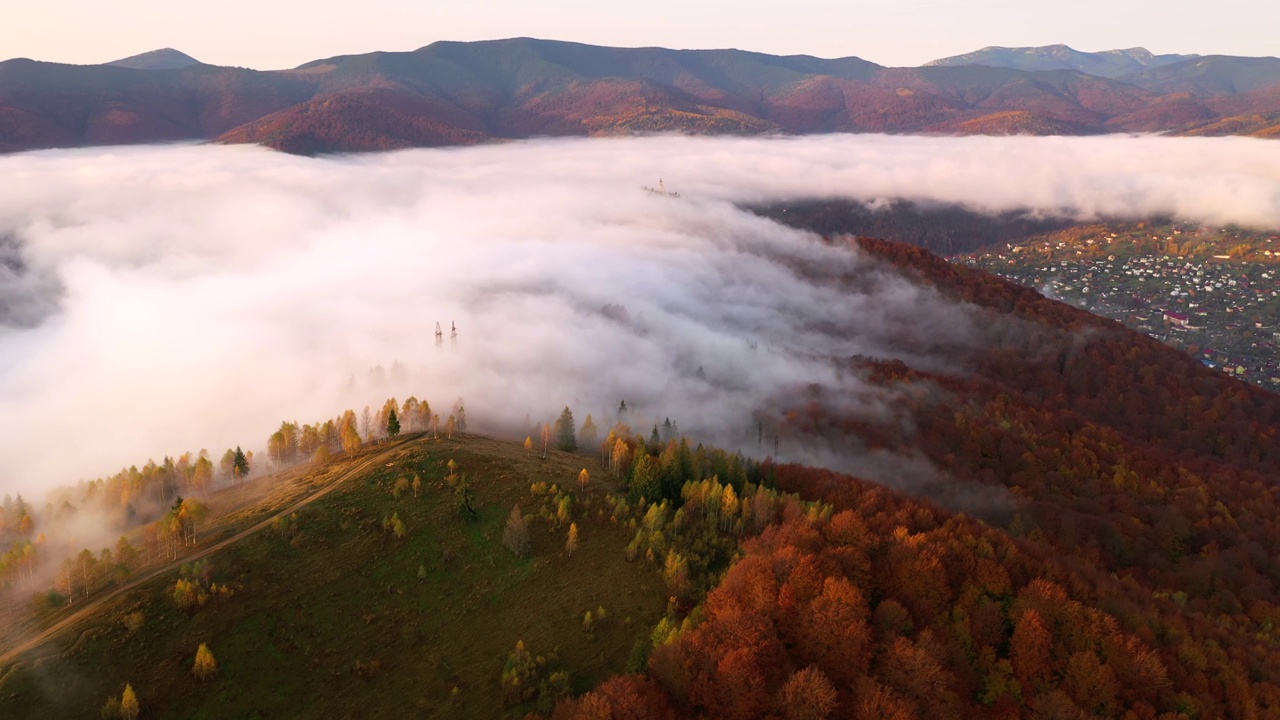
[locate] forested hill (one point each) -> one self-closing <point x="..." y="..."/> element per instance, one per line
<point x="452" y="93"/>
<point x="1136" y="575"/>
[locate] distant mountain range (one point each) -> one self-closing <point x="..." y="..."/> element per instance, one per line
<point x="1113" y="64"/>
<point x="451" y="93"/>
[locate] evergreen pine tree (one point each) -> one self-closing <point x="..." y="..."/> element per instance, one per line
<point x="566" y="432"/>
<point x="393" y="424"/>
<point x="464" y="499"/>
<point x="240" y="465"/>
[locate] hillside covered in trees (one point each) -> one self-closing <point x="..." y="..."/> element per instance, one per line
<point x="462" y="93"/>
<point x="1099" y="540"/>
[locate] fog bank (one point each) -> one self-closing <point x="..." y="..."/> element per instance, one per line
<point x="155" y="300"/>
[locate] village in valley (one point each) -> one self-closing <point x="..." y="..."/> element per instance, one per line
<point x="1213" y="292"/>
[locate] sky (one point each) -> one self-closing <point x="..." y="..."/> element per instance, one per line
<point x="275" y="34"/>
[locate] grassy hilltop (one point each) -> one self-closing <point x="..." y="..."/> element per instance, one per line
<point x="327" y="613"/>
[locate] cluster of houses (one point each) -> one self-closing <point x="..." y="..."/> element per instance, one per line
<point x="1222" y="307"/>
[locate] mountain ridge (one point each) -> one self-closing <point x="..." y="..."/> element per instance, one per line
<point x="451" y="93"/>
<point x="1113" y="64"/>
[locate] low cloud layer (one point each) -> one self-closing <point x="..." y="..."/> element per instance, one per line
<point x="157" y="300"/>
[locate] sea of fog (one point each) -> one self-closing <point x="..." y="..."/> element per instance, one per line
<point x="156" y="300"/>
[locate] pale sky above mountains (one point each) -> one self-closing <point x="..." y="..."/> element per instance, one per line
<point x="273" y="34"/>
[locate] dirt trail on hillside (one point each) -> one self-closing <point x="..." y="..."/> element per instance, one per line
<point x="91" y="606"/>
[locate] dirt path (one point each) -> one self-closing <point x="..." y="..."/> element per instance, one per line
<point x="91" y="606"/>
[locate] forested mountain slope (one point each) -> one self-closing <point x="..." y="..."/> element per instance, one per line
<point x="452" y="93"/>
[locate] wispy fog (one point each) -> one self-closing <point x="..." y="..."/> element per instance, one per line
<point x="157" y="300"/>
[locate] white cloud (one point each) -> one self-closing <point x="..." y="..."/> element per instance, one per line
<point x="206" y="293"/>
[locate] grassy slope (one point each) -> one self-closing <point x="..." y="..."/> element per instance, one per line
<point x="235" y="511"/>
<point x="339" y="590"/>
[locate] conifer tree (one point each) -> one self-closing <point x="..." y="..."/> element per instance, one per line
<point x="566" y="432"/>
<point x="383" y="418"/>
<point x="393" y="424"/>
<point x="240" y="465"/>
<point x="464" y="499"/>
<point x="205" y="666"/>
